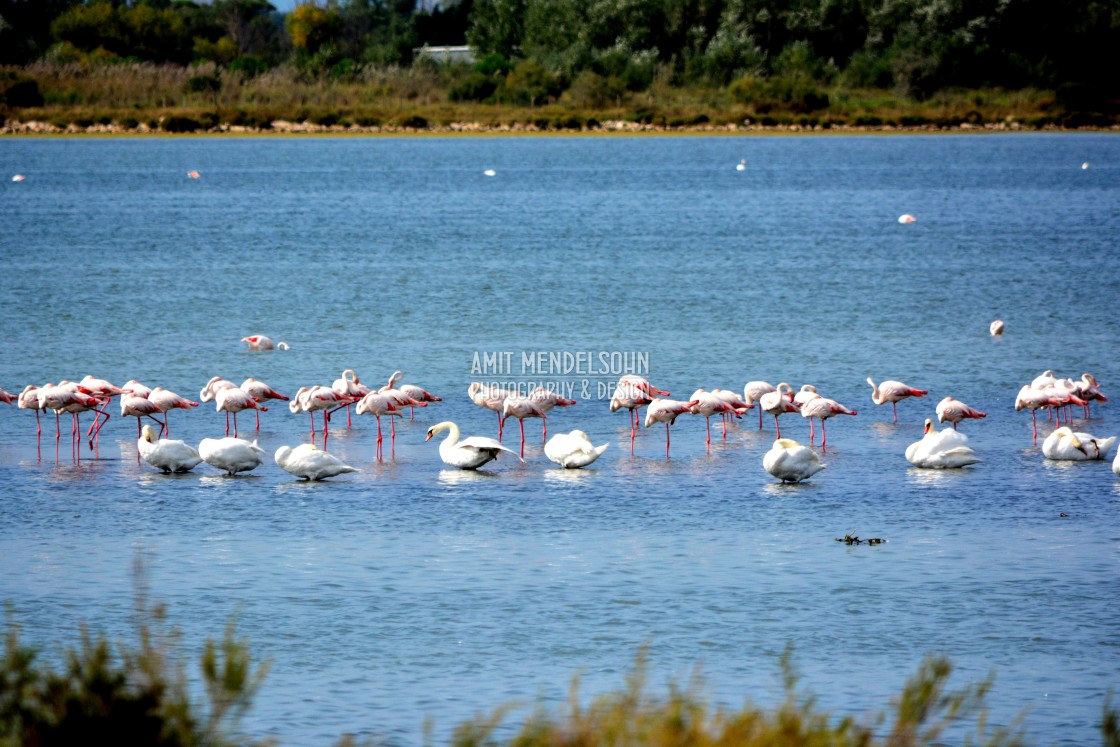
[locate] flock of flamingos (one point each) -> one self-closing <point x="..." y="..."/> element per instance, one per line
<point x="787" y="460"/>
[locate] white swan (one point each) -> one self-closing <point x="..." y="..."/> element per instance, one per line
<point x="1116" y="465"/>
<point x="789" y="461"/>
<point x="310" y="462"/>
<point x="166" y="455"/>
<point x="231" y="454"/>
<point x="1066" y="445"/>
<point x="573" y="450"/>
<point x="941" y="450"/>
<point x="470" y="453"/>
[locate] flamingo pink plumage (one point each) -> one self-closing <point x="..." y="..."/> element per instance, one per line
<point x="139" y="407"/>
<point x="823" y="408"/>
<point x="233" y="399"/>
<point x="378" y="404"/>
<point x="708" y="404"/>
<point x="166" y="401"/>
<point x="893" y="392"/>
<point x="752" y="393"/>
<point x="261" y="392"/>
<point x="631" y="393"/>
<point x="491" y="397"/>
<point x="953" y="411"/>
<point x="521" y="408"/>
<point x="778" y="402"/>
<point x="666" y="411"/>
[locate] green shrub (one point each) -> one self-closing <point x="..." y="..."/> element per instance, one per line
<point x="21" y="92"/>
<point x="475" y="87"/>
<point x="414" y="122"/>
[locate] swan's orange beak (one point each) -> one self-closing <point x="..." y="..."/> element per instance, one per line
<point x="428" y="437"/>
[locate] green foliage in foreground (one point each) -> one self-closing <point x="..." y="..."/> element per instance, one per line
<point x="138" y="695"/>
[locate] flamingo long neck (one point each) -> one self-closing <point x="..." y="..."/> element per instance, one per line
<point x="874" y="392"/>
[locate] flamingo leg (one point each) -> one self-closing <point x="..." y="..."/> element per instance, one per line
<point x="894" y="407"/>
<point x="411" y="414"/>
<point x="166" y="423"/>
<point x="811" y="430"/>
<point x="378" y="452"/>
<point x="227" y="424"/>
<point x="777" y="427"/>
<point x="326" y="418"/>
<point x="1034" y="422"/>
<point x="544" y="430"/>
<point x="760" y="418"/>
<point x="57" y="435"/>
<point x="708" y="422"/>
<point x="501" y="424"/>
<point x="75" y="450"/>
<point x="666" y="440"/>
<point x="521" y="424"/>
<point x="258" y="422"/>
<point x="38" y="436"/>
<point x="633" y="426"/>
<point x="725" y="418"/>
<point x="824" y="435"/>
<point x="312" y="416"/>
<point x="348" y="423"/>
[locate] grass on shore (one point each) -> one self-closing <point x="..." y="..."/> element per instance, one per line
<point x="140" y="96"/>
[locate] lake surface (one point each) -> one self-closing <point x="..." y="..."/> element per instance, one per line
<point x="407" y="591"/>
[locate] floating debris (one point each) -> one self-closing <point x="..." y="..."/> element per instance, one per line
<point x="851" y="539"/>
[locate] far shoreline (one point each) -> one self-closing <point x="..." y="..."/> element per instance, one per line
<point x="610" y="128"/>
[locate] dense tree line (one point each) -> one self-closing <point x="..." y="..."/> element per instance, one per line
<point x="529" y="51"/>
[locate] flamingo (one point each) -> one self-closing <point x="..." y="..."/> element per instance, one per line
<point x="139" y="407"/>
<point x="58" y="398"/>
<point x="132" y="386"/>
<point x="940" y="449"/>
<point x="708" y="404"/>
<point x="261" y="392"/>
<point x="666" y="411"/>
<point x="573" y="450"/>
<point x="521" y="408"/>
<point x="166" y="401"/>
<point x="416" y="392"/>
<point x="1043" y="380"/>
<point x="104" y="390"/>
<point x="906" y="218"/>
<point x="1066" y="445"/>
<point x="349" y="385"/>
<point x="1088" y="390"/>
<point x="7" y="397"/>
<point x="1061" y="395"/>
<point x="259" y="343"/>
<point x="823" y="408"/>
<point x="492" y="398"/>
<point x="954" y="411"/>
<point x="546" y="399"/>
<point x="789" y="461"/>
<point x="166" y="455"/>
<point x="235" y="399"/>
<point x="216" y="384"/>
<point x="378" y="404"/>
<point x="232" y="455"/>
<point x="309" y="462"/>
<point x="807" y="392"/>
<point x="471" y="452"/>
<point x="29" y="400"/>
<point x="753" y="392"/>
<point x="1033" y="399"/>
<point x="318" y="398"/>
<point x="778" y="402"/>
<point x="893" y="392"/>
<point x="401" y="400"/>
<point x="996" y="328"/>
<point x="631" y="393"/>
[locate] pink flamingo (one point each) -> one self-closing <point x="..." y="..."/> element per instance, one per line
<point x="521" y="408"/>
<point x="808" y="392"/>
<point x="953" y="411"/>
<point x="235" y="399"/>
<point x="708" y="404"/>
<point x="1089" y="390"/>
<point x="7" y="397"/>
<point x="132" y="386"/>
<point x="546" y="399"/>
<point x="778" y="402"/>
<point x="165" y="401"/>
<point x="823" y="408"/>
<point x="893" y="392"/>
<point x="492" y="398"/>
<point x="378" y="404"/>
<point x="261" y="392"/>
<point x="215" y="385"/>
<point x="1033" y="399"/>
<point x="259" y="343"/>
<point x="401" y="400"/>
<point x="417" y="393"/>
<point x="139" y="407"/>
<point x="631" y="393"/>
<point x="350" y="386"/>
<point x="753" y="392"/>
<point x="77" y="404"/>
<point x="318" y="398"/>
<point x="105" y="391"/>
<point x="29" y="400"/>
<point x="666" y="411"/>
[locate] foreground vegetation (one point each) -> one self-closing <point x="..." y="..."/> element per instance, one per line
<point x="187" y="65"/>
<point x="139" y="694"/>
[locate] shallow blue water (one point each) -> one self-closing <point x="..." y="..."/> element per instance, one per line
<point x="407" y="591"/>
